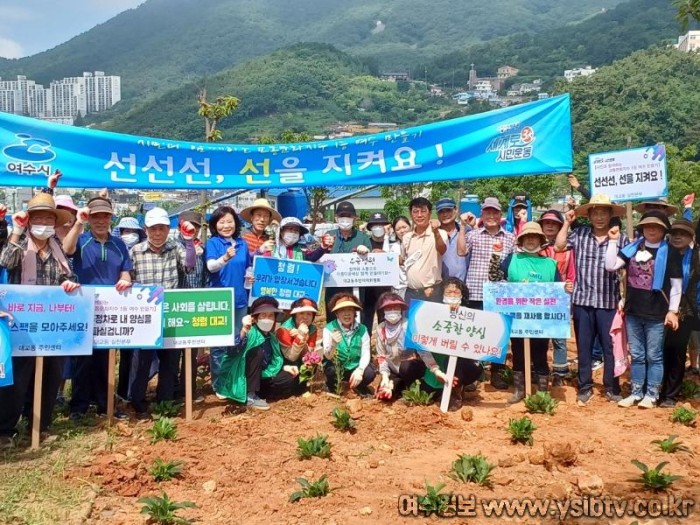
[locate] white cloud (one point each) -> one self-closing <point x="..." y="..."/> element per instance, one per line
<point x="10" y="48"/>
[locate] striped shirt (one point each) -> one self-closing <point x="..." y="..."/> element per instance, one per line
<point x="253" y="241"/>
<point x="480" y="245"/>
<point x="595" y="286"/>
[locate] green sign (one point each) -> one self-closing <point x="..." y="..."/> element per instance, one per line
<point x="198" y="318"/>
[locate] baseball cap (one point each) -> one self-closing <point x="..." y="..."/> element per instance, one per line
<point x="445" y="204"/>
<point x="378" y="218"/>
<point x="156" y="216"/>
<point x="491" y="202"/>
<point x="100" y="205"/>
<point x="345" y="208"/>
<point x="519" y="200"/>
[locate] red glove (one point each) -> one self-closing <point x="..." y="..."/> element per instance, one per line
<point x="187" y="230"/>
<point x="3" y="211"/>
<point x="21" y="219"/>
<point x="688" y="200"/>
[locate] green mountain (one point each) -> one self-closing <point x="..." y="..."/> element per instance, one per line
<point x="166" y="43"/>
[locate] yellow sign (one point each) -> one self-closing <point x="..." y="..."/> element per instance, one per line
<point x="152" y="197"/>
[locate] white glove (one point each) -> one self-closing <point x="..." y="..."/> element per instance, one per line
<point x="362" y="250"/>
<point x="336" y="337"/>
<point x="356" y="377"/>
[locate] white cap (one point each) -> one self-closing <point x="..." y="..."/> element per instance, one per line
<point x="156" y="216"/>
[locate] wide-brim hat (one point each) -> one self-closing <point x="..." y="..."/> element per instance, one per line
<point x="346" y="303"/>
<point x="683" y="225"/>
<point x="293" y="221"/>
<point x="393" y="302"/>
<point x="600" y="200"/>
<point x="45" y="202"/>
<point x="265" y="308"/>
<point x="655" y="217"/>
<point x="661" y="202"/>
<point x="260" y="204"/>
<point x="531" y="228"/>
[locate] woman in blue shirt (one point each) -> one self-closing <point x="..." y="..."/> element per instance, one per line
<point x="227" y="259"/>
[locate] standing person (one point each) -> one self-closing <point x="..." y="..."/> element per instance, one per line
<point x="347" y="239"/>
<point x="551" y="222"/>
<point x="423" y="249"/>
<point x="676" y="341"/>
<point x="526" y="266"/>
<point x="519" y="213"/>
<point x="157" y="261"/>
<point x="288" y="245"/>
<point x="379" y="239"/>
<point x="228" y="258"/>
<point x="130" y="231"/>
<point x="260" y="215"/>
<point x="65" y="202"/>
<point x="482" y="243"/>
<point x="596" y="291"/>
<point x="454" y="261"/>
<point x="99" y="258"/>
<point x="654" y="289"/>
<point x="36" y="259"/>
<point x="401" y="225"/>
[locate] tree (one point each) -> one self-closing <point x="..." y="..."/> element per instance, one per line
<point x="687" y="10"/>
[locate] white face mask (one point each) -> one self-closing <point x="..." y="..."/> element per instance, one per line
<point x="42" y="232"/>
<point x="378" y="232"/>
<point x="265" y="325"/>
<point x="345" y="223"/>
<point x="452" y="300"/>
<point x="392" y="316"/>
<point x="130" y="239"/>
<point x="290" y="238"/>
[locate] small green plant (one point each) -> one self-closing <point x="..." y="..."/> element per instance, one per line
<point x="684" y="416"/>
<point x="311" y="489"/>
<point x="521" y="430"/>
<point x="541" y="403"/>
<point x="166" y="409"/>
<point x="476" y="469"/>
<point x="316" y="446"/>
<point x="414" y="396"/>
<point x="690" y="389"/>
<point x="432" y="502"/>
<point x="654" y="479"/>
<point x="162" y="470"/>
<point x="507" y="375"/>
<point x="163" y="510"/>
<point x="163" y="428"/>
<point x="342" y="420"/>
<point x="670" y="445"/>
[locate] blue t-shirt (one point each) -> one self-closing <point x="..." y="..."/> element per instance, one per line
<point x="232" y="275"/>
<point x="100" y="263"/>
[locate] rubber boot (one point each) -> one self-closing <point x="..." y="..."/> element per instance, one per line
<point x="497" y="381"/>
<point x="542" y="383"/>
<point x="518" y="388"/>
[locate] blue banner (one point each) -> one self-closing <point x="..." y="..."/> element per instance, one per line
<point x="539" y="310"/>
<point x="286" y="280"/>
<point x="532" y="138"/>
<point x="6" y="377"/>
<point x="48" y="321"/>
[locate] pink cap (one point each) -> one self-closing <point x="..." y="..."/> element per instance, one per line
<point x="65" y="201"/>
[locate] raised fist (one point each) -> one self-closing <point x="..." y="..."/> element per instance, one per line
<point x="570" y="216"/>
<point x="688" y="200"/>
<point x="362" y="250"/>
<point x="53" y="179"/>
<point x="336" y="336"/>
<point x="327" y="241"/>
<point x="83" y="215"/>
<point x="434" y="224"/>
<point x="614" y="233"/>
<point x="187" y="230"/>
<point x="21" y="219"/>
<point x="3" y="211"/>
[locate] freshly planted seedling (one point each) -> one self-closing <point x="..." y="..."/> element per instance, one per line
<point x="342" y="420"/>
<point x="521" y="430"/>
<point x="163" y="511"/>
<point x="541" y="403"/>
<point x="670" y="445"/>
<point x="414" y="396"/>
<point x="684" y="416"/>
<point x="654" y="479"/>
<point x="432" y="502"/>
<point x="164" y="428"/>
<point x="316" y="446"/>
<point x="507" y="375"/>
<point x="690" y="389"/>
<point x="475" y="469"/>
<point x="315" y="489"/>
<point x="162" y="470"/>
<point x="166" y="409"/>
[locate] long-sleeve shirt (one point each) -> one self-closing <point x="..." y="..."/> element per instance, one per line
<point x="161" y="268"/>
<point x="329" y="346"/>
<point x="48" y="270"/>
<point x="389" y="359"/>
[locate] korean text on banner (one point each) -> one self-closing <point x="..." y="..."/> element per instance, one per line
<point x="286" y="280"/>
<point x="539" y="310"/>
<point x="129" y="319"/>
<point x="48" y="321"/>
<point x="6" y="376"/>
<point x="198" y="317"/>
<point x="353" y="270"/>
<point x="630" y="174"/>
<point x="530" y="138"/>
<point x="472" y="334"/>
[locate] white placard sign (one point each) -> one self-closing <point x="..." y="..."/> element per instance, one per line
<point x="350" y="270"/>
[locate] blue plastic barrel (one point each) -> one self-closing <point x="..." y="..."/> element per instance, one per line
<point x="292" y="203"/>
<point x="470" y="203"/>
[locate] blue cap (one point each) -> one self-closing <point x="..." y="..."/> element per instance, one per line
<point x="445" y="204"/>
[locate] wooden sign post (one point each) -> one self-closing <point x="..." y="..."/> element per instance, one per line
<point x="36" y="406"/>
<point x="189" y="387"/>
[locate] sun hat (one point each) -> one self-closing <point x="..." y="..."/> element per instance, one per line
<point x="388" y="302"/>
<point x="683" y="225"/>
<point x="45" y="202"/>
<point x="660" y="203"/>
<point x="260" y="204"/>
<point x="551" y="215"/>
<point x="346" y="303"/>
<point x="600" y="200"/>
<point x="100" y="205"/>
<point x="655" y="217"/>
<point x="305" y="305"/>
<point x="293" y="221"/>
<point x="65" y="201"/>
<point x="129" y="223"/>
<point x="531" y="228"/>
<point x="155" y="217"/>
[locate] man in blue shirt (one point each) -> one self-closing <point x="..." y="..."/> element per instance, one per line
<point x="99" y="258"/>
<point x="454" y="261"/>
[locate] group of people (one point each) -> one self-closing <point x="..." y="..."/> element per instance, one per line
<point x="444" y="259"/>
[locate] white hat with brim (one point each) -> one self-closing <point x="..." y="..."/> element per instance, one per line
<point x="346" y="303"/>
<point x="265" y="308"/>
<point x="293" y="221"/>
<point x="155" y="217"/>
<point x="260" y="204"/>
<point x="600" y="201"/>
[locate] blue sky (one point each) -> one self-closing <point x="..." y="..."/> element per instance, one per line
<point x="28" y="27"/>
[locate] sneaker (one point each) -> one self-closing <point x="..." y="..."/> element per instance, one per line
<point x="629" y="401"/>
<point x="667" y="403"/>
<point x="472" y="387"/>
<point x="256" y="403"/>
<point x="613" y="398"/>
<point x="597" y="365"/>
<point x="583" y="398"/>
<point x="647" y="402"/>
<point x="219" y="396"/>
<point x="199" y="399"/>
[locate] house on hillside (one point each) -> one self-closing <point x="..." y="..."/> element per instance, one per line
<point x="570" y="74"/>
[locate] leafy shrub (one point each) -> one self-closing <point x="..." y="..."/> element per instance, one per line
<point x="414" y="396"/>
<point x="521" y="430"/>
<point x="476" y="469"/>
<point x="690" y="389"/>
<point x="315" y="489"/>
<point x="316" y="446"/>
<point x="163" y="510"/>
<point x="541" y="403"/>
<point x="166" y="409"/>
<point x="434" y="502"/>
